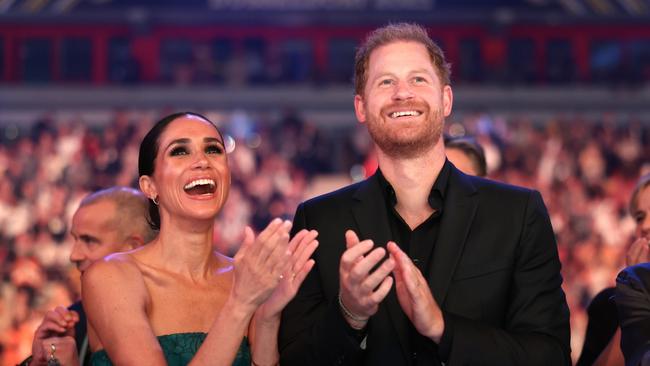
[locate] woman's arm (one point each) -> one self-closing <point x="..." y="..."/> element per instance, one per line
<point x="259" y="264"/>
<point x="266" y="322"/>
<point x="115" y="299"/>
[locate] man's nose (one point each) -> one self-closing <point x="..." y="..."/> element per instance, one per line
<point x="77" y="254"/>
<point x="402" y="91"/>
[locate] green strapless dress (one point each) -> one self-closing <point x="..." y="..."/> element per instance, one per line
<point x="179" y="348"/>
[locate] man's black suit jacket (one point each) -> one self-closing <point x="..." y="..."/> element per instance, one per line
<point x="633" y="302"/>
<point x="495" y="273"/>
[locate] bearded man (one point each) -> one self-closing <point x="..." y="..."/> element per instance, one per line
<point x="421" y="264"/>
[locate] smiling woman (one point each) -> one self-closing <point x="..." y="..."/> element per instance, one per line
<point x="189" y="165"/>
<point x="176" y="298"/>
<point x="149" y="149"/>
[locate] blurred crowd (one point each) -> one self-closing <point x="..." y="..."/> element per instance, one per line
<point x="584" y="168"/>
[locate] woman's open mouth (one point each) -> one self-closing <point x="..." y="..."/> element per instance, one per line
<point x="200" y="186"/>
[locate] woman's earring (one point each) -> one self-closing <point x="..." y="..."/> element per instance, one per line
<point x="155" y="200"/>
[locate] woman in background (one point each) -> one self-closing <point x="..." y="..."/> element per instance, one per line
<point x="602" y="345"/>
<point x="633" y="285"/>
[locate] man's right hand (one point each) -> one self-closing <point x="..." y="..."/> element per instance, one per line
<point x="361" y="291"/>
<point x="57" y="328"/>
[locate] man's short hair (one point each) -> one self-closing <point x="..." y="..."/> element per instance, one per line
<point x="132" y="210"/>
<point x="472" y="149"/>
<point x="394" y="33"/>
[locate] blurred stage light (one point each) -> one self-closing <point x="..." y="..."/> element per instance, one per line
<point x="5" y="5"/>
<point x="229" y="144"/>
<point x="64" y="6"/>
<point x="33" y="6"/>
<point x="253" y="140"/>
<point x="357" y="173"/>
<point x="11" y="132"/>
<point x="456" y="130"/>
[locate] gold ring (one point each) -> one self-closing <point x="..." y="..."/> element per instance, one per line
<point x="53" y="361"/>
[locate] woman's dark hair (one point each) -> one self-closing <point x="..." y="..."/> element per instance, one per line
<point x="149" y="150"/>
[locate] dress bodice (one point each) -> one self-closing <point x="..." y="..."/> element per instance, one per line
<point x="179" y="348"/>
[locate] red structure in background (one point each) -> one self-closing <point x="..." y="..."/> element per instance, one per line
<point x="495" y="50"/>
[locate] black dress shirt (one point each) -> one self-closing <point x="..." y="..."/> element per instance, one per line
<point x="418" y="244"/>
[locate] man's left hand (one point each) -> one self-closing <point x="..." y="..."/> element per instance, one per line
<point x="415" y="297"/>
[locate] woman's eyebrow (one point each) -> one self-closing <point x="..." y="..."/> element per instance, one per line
<point x="212" y="139"/>
<point x="183" y="140"/>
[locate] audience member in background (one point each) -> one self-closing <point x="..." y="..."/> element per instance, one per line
<point x="603" y="335"/>
<point x="107" y="221"/>
<point x="176" y="300"/>
<point x="467" y="155"/>
<point x="633" y="285"/>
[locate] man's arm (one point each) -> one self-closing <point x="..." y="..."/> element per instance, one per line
<point x="536" y="322"/>
<point x="313" y="330"/>
<point x="633" y="303"/>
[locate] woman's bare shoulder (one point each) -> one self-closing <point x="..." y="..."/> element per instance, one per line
<point x="117" y="263"/>
<point x="118" y="269"/>
<point x="115" y="298"/>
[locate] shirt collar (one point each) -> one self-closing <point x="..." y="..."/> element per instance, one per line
<point x="436" y="195"/>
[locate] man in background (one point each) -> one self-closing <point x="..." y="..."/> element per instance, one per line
<point x="467" y="155"/>
<point x="107" y="221"/>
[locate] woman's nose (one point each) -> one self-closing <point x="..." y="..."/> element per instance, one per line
<point x="201" y="162"/>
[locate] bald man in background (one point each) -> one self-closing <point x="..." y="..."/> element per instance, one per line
<point x="107" y="221"/>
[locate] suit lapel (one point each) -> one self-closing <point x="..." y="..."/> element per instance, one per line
<point x="370" y="214"/>
<point x="458" y="212"/>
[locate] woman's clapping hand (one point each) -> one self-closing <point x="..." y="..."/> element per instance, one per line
<point x="302" y="246"/>
<point x="260" y="262"/>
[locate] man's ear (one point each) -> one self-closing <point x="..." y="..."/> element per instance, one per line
<point x="447" y="100"/>
<point x="360" y="108"/>
<point x="148" y="187"/>
<point x="134" y="241"/>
